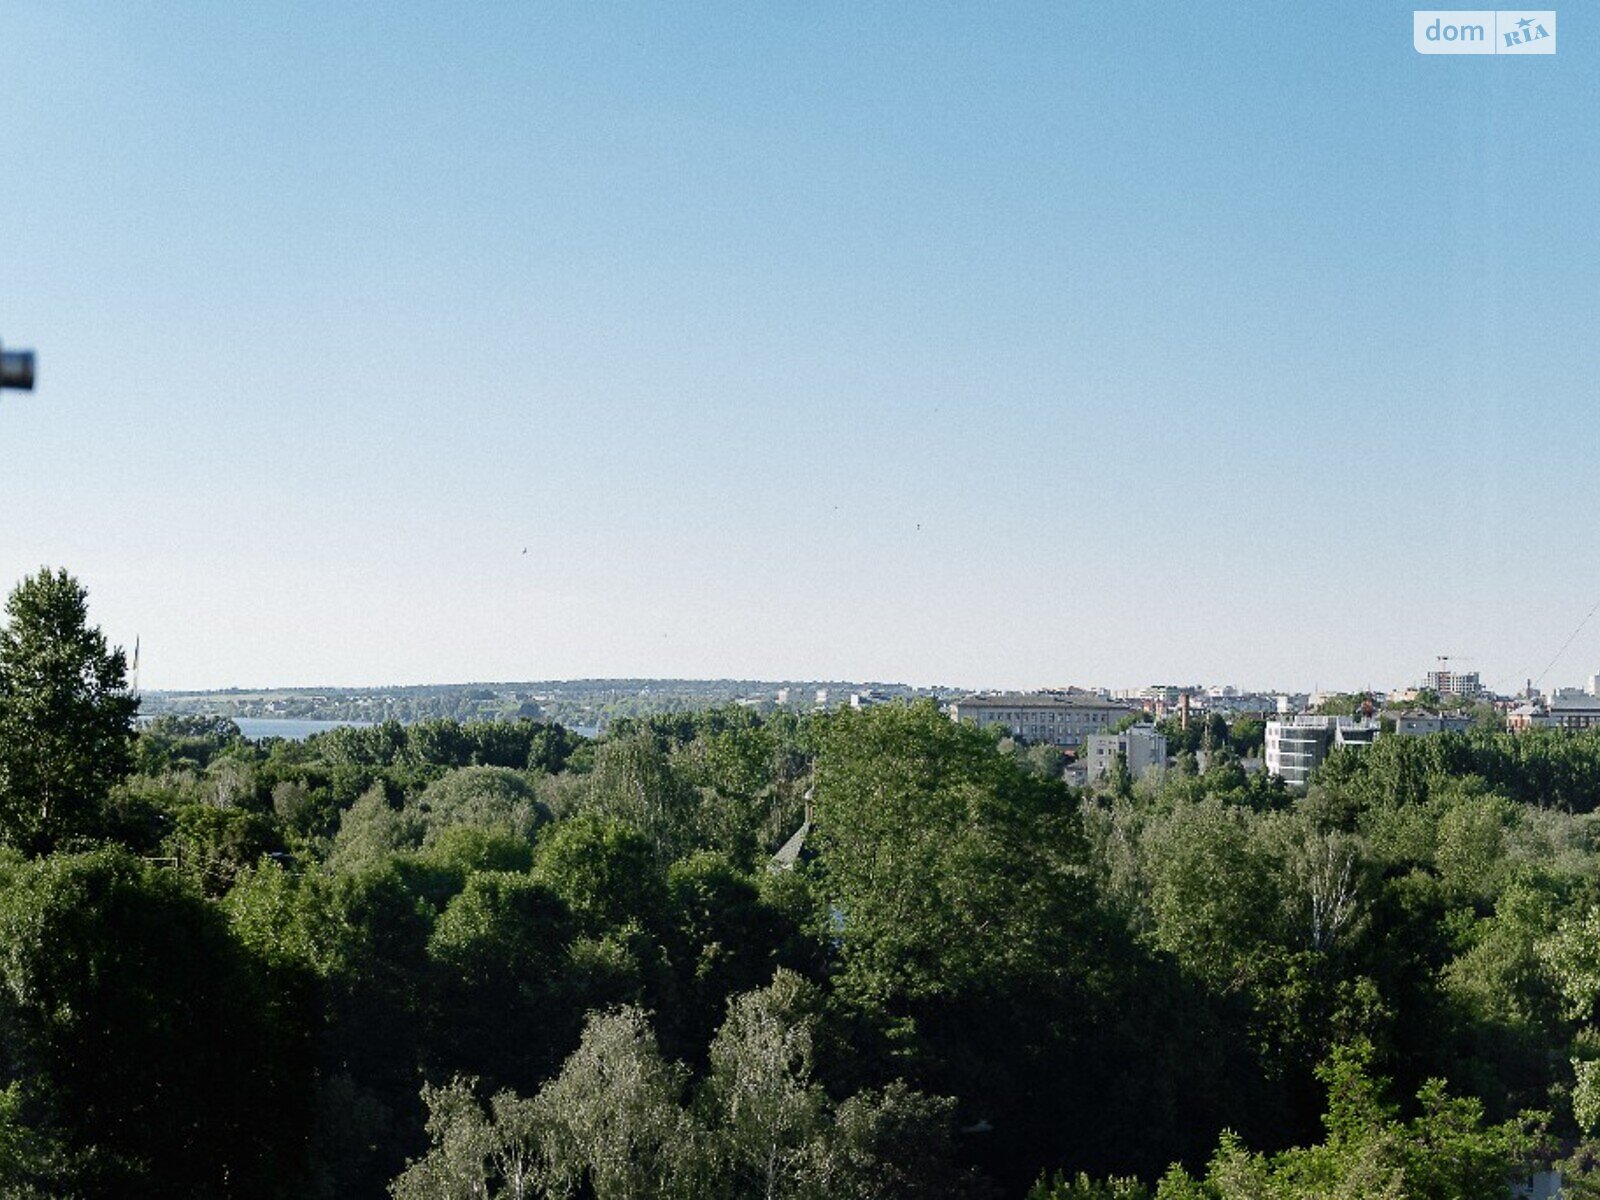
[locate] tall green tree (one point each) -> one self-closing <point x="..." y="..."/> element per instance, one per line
<point x="476" y="1154"/>
<point x="498" y="951"/>
<point x="948" y="866"/>
<point x="761" y="1065"/>
<point x="966" y="924"/>
<point x="66" y="714"/>
<point x="613" y="1122"/>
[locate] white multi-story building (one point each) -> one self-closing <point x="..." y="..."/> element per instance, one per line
<point x="1166" y="693"/>
<point x="1144" y="747"/>
<point x="1297" y="747"/>
<point x="1059" y="718"/>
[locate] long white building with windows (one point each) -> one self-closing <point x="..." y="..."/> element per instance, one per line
<point x="1059" y="718"/>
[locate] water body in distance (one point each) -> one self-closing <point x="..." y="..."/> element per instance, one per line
<point x="296" y="728"/>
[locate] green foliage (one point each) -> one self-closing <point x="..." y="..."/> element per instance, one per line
<point x="606" y="871"/>
<point x="448" y="743"/>
<point x="890" y="1144"/>
<point x="347" y="967"/>
<point x="463" y="849"/>
<point x="933" y="843"/>
<point x="212" y="845"/>
<point x="1215" y="898"/>
<point x="1345" y="704"/>
<point x="619" y="1121"/>
<point x="633" y="783"/>
<point x="1100" y="984"/>
<point x="35" y="1163"/>
<point x="748" y="781"/>
<point x="173" y="742"/>
<point x="1469" y="845"/>
<point x="723" y="937"/>
<point x="1248" y="736"/>
<point x="476" y="1154"/>
<point x="1446" y="1152"/>
<point x="498" y="950"/>
<point x="761" y="1083"/>
<point x="1081" y="1187"/>
<point x="613" y="1122"/>
<point x="66" y="716"/>
<point x="487" y="797"/>
<point x="140" y="1032"/>
<point x="373" y="830"/>
<point x="1572" y="955"/>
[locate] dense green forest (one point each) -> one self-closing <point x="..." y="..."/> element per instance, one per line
<point x="495" y="959"/>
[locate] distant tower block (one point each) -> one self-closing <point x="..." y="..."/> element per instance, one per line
<point x="133" y="673"/>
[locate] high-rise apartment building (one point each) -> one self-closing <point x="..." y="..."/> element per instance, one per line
<point x="1454" y="683"/>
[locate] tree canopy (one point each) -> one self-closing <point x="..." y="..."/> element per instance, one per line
<point x="66" y="715"/>
<point x="489" y="959"/>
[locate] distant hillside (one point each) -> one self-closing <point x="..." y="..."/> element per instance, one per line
<point x="580" y="702"/>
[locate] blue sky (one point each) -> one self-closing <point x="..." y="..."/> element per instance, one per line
<point x="1006" y="345"/>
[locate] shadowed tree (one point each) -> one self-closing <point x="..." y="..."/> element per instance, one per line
<point x="133" y="1016"/>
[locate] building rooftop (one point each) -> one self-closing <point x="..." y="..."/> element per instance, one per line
<point x="1583" y="701"/>
<point x="788" y="854"/>
<point x="1039" y="700"/>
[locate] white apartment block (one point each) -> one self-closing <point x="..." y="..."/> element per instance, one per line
<point x="1144" y="747"/>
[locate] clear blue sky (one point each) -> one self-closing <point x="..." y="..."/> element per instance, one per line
<point x="984" y="344"/>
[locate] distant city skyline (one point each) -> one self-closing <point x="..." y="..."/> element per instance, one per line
<point x="1589" y="684"/>
<point x="994" y="346"/>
